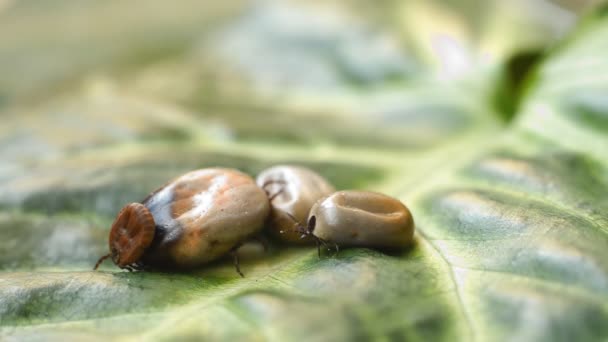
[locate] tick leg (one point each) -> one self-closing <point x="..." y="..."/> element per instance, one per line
<point x="319" y="243"/>
<point x="318" y="247"/>
<point x="273" y="196"/>
<point x="326" y="245"/>
<point x="235" y="259"/>
<point x="276" y="181"/>
<point x="269" y="182"/>
<point x="100" y="261"/>
<point x="297" y="227"/>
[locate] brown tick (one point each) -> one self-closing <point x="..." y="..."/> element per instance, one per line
<point x="292" y="191"/>
<point x="192" y="220"/>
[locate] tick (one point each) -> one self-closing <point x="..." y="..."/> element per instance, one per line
<point x="292" y="191"/>
<point x="192" y="220"/>
<point x="360" y="218"/>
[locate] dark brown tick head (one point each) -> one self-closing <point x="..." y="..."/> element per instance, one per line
<point x="309" y="230"/>
<point x="312" y="222"/>
<point x="132" y="232"/>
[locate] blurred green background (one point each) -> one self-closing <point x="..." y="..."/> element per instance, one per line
<point x="489" y="119"/>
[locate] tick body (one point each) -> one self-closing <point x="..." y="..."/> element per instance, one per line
<point x="292" y="190"/>
<point x="361" y="218"/>
<point x="194" y="219"/>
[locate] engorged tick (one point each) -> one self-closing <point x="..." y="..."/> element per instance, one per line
<point x="292" y="191"/>
<point x="359" y="218"/>
<point x="192" y="220"/>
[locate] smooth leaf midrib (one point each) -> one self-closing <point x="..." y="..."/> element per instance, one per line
<point x="457" y="287"/>
<point x="449" y="173"/>
<point x="417" y="189"/>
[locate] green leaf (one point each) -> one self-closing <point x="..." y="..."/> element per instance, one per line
<point x="511" y="226"/>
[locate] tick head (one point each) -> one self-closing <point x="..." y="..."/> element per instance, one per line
<point x="312" y="223"/>
<point x="310" y="227"/>
<point x="131" y="234"/>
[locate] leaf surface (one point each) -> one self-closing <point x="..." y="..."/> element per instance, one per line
<point x="511" y="226"/>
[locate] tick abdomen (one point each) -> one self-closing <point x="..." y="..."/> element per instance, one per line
<point x="361" y="218"/>
<point x="203" y="214"/>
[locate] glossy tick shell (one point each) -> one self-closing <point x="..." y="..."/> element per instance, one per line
<point x="202" y="215"/>
<point x="361" y="218"/>
<point x="132" y="232"/>
<point x="297" y="189"/>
